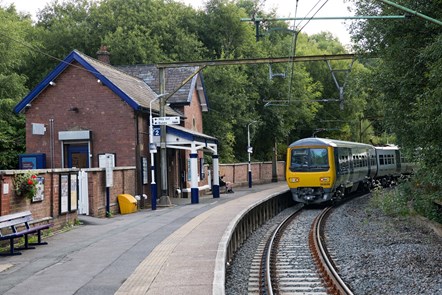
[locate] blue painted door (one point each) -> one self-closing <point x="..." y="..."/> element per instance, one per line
<point x="77" y="156"/>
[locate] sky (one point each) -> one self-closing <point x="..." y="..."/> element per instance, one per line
<point x="285" y="8"/>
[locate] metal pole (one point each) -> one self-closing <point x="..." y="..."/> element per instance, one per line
<point x="257" y="20"/>
<point x="164" y="198"/>
<point x="51" y="147"/>
<point x="249" y="151"/>
<point x="274" y="164"/>
<point x="152" y="150"/>
<point x="413" y="12"/>
<point x="108" y="213"/>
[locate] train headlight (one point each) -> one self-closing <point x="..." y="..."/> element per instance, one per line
<point x="294" y="179"/>
<point x="324" y="179"/>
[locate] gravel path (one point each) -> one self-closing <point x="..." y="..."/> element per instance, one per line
<point x="376" y="253"/>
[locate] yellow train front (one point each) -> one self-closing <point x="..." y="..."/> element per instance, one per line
<point x="320" y="170"/>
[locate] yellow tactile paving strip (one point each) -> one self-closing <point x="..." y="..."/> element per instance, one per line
<point x="187" y="261"/>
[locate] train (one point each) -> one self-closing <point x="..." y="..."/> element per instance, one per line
<point x="320" y="170"/>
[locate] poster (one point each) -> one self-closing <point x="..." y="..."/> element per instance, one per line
<point x="40" y="192"/>
<point x="64" y="193"/>
<point x="73" y="204"/>
<point x="145" y="169"/>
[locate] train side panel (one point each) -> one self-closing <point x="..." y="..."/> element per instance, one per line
<point x="391" y="165"/>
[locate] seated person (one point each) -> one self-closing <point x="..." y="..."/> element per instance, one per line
<point x="228" y="185"/>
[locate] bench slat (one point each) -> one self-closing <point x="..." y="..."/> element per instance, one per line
<point x="21" y="220"/>
<point x="14" y="215"/>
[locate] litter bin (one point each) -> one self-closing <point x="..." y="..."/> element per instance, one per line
<point x="127" y="203"/>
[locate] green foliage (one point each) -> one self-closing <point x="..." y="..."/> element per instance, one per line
<point x="393" y="202"/>
<point x="229" y="107"/>
<point x="151" y="31"/>
<point x="407" y="76"/>
<point x="221" y="30"/>
<point x="15" y="31"/>
<point x="412" y="197"/>
<point x="406" y="82"/>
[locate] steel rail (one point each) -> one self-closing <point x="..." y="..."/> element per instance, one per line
<point x="337" y="285"/>
<point x="268" y="255"/>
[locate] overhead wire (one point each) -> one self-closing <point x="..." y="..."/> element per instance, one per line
<point x="314" y="6"/>
<point x="293" y="53"/>
<point x="295" y="39"/>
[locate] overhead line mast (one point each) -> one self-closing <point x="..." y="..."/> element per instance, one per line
<point x="261" y="60"/>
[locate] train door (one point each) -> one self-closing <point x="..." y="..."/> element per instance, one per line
<point x="344" y="165"/>
<point x="398" y="161"/>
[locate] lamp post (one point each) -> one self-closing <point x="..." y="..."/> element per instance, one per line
<point x="153" y="150"/>
<point x="249" y="151"/>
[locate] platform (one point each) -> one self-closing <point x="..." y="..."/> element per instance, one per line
<point x="172" y="250"/>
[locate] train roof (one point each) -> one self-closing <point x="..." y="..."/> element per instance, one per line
<point x="315" y="141"/>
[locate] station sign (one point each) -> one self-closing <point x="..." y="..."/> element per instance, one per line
<point x="156" y="131"/>
<point x="152" y="148"/>
<point x="166" y="120"/>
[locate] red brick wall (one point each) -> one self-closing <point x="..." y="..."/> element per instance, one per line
<point x="111" y="120"/>
<point x="123" y="183"/>
<point x="193" y="113"/>
<point x="49" y="207"/>
<point x="237" y="174"/>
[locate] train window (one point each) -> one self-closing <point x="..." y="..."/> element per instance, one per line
<point x="381" y="159"/>
<point x="319" y="157"/>
<point x="309" y="159"/>
<point x="343" y="164"/>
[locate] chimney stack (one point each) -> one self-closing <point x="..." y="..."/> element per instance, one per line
<point x="103" y="55"/>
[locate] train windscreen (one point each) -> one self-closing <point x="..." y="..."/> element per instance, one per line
<point x="309" y="159"/>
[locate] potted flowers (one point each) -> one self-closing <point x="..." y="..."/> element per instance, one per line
<point x="25" y="184"/>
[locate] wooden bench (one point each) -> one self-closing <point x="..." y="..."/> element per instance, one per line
<point x="19" y="225"/>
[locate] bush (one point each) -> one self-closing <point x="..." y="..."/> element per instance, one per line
<point x="392" y="202"/>
<point x="413" y="197"/>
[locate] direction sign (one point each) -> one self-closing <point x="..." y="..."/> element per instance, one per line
<point x="166" y="120"/>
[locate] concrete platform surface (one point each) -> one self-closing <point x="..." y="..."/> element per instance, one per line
<point x="172" y="250"/>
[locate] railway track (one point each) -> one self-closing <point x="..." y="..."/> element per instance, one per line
<point x="292" y="259"/>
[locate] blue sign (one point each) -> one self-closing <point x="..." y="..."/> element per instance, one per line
<point x="156" y="131"/>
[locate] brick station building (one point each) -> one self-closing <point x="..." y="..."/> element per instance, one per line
<point x="85" y="109"/>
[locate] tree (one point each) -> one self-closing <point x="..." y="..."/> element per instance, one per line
<point x="407" y="78"/>
<point x="15" y="47"/>
<point x="149" y="30"/>
<point x="402" y="76"/>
